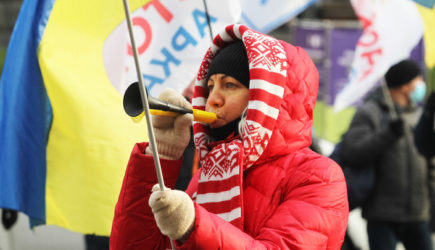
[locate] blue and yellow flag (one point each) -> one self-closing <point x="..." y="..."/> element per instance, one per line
<point x="64" y="137"/>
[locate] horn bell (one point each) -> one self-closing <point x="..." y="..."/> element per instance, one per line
<point x="132" y="100"/>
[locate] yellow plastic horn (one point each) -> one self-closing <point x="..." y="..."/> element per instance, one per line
<point x="198" y="115"/>
<point x="133" y="107"/>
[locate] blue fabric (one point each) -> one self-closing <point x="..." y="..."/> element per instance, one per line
<point x="25" y="115"/>
<point x="426" y="3"/>
<point x="278" y="21"/>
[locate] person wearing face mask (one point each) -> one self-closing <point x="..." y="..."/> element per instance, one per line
<point x="259" y="185"/>
<point x="398" y="208"/>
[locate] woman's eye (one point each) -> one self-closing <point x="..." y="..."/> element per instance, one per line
<point x="230" y="85"/>
<point x="210" y="87"/>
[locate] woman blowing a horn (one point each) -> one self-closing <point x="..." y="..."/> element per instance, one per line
<point x="259" y="185"/>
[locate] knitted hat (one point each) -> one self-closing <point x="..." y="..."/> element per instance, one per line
<point x="232" y="61"/>
<point x="402" y="73"/>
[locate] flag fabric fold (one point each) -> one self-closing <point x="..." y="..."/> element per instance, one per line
<point x="64" y="137"/>
<point x="267" y="15"/>
<point x="25" y="116"/>
<point x="391" y="29"/>
<point x="426" y="8"/>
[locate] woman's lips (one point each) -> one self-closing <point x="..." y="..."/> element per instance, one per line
<point x="218" y="123"/>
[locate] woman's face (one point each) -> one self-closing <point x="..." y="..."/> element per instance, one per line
<point x="227" y="98"/>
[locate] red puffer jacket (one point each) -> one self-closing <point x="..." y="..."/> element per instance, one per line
<point x="292" y="197"/>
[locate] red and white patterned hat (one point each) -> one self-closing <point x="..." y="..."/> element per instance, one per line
<point x="268" y="64"/>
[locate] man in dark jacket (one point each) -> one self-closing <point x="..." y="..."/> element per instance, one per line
<point x="425" y="142"/>
<point x="398" y="209"/>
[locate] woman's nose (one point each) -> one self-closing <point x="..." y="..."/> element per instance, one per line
<point x="216" y="98"/>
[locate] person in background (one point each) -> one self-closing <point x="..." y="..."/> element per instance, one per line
<point x="398" y="208"/>
<point x="425" y="141"/>
<point x="425" y="129"/>
<point x="259" y="185"/>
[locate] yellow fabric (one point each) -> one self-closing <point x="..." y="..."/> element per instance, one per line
<point x="91" y="137"/>
<point x="331" y="125"/>
<point x="428" y="16"/>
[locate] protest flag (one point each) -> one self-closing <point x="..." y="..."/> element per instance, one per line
<point x="267" y="15"/>
<point x="427" y="12"/>
<point x="391" y="29"/>
<point x="65" y="139"/>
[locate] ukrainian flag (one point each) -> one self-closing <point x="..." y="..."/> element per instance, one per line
<point x="64" y="137"/>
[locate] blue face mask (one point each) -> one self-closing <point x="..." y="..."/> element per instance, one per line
<point x="418" y="94"/>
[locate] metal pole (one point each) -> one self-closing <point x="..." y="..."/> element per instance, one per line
<point x="208" y="19"/>
<point x="144" y="99"/>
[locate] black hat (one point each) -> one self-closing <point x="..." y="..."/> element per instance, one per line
<point x="232" y="61"/>
<point x="402" y="73"/>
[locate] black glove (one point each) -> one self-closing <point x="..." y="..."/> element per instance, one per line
<point x="9" y="217"/>
<point x="397" y="126"/>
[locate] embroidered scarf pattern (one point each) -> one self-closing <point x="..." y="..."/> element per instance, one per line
<point x="220" y="187"/>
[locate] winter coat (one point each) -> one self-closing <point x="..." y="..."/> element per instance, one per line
<point x="293" y="198"/>
<point x="425" y="129"/>
<point x="401" y="192"/>
<point x="425" y="141"/>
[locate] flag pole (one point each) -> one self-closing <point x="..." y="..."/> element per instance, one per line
<point x="208" y="19"/>
<point x="144" y="98"/>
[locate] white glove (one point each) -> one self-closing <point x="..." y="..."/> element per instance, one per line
<point x="172" y="133"/>
<point x="173" y="211"/>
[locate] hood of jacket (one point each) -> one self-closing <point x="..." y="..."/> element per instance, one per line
<point x="282" y="94"/>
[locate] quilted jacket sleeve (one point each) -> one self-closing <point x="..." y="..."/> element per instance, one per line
<point x="133" y="225"/>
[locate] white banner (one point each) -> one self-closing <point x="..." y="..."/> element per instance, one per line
<point x="391" y="29"/>
<point x="172" y="38"/>
<point x="266" y="15"/>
